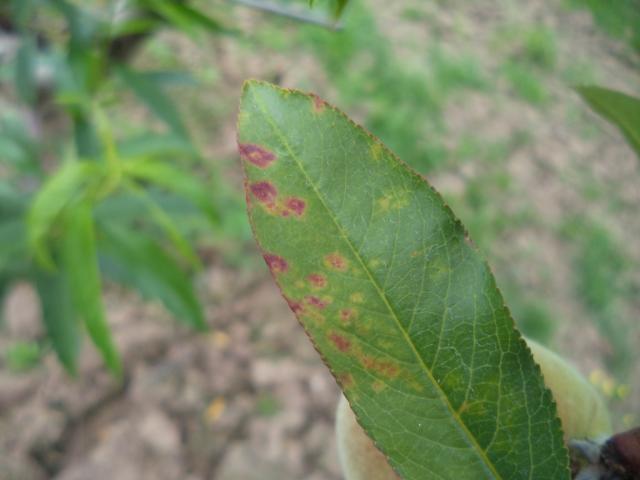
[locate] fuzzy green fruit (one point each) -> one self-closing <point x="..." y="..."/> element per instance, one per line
<point x="580" y="408"/>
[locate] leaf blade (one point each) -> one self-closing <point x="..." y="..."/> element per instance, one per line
<point x="137" y="261"/>
<point x="620" y="109"/>
<point x="59" y="318"/>
<point x="384" y="330"/>
<point x="80" y="265"/>
<point x="152" y="95"/>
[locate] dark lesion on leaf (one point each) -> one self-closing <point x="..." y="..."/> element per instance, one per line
<point x="257" y="155"/>
<point x="276" y="263"/>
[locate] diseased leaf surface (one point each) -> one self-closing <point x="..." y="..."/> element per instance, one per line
<point x="404" y="311"/>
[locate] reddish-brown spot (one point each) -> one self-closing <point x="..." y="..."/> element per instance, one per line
<point x="346" y="314"/>
<point x="336" y="261"/>
<point x="257" y="155"/>
<point x="295" y="306"/>
<point x="316" y="302"/>
<point x="340" y="342"/>
<point x="383" y="367"/>
<point x="295" y="205"/>
<point x="318" y="104"/>
<point x="317" y="280"/>
<point x="265" y="192"/>
<point x="276" y="263"/>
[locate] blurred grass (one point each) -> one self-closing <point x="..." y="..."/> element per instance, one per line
<point x="619" y="18"/>
<point x="600" y="265"/>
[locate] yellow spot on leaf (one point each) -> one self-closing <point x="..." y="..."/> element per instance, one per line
<point x="376" y="151"/>
<point x="393" y="200"/>
<point x="463" y="407"/>
<point x="357" y="297"/>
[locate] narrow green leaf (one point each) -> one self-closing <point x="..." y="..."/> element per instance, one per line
<point x="174" y="180"/>
<point x="25" y="70"/>
<point x="162" y="219"/>
<point x="156" y="146"/>
<point x="65" y="186"/>
<point x="5" y="285"/>
<point x="399" y="304"/>
<point x="80" y="265"/>
<point x="22" y="11"/>
<point x="154" y="98"/>
<point x="59" y="318"/>
<point x="81" y="23"/>
<point x="339" y="7"/>
<point x="185" y="17"/>
<point x="86" y="138"/>
<point x="12" y="201"/>
<point x="139" y="262"/>
<point x="13" y="243"/>
<point x="619" y="108"/>
<point x="171" y="77"/>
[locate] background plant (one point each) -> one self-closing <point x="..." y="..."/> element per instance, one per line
<point x="82" y="198"/>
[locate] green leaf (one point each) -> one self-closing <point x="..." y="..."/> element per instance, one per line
<point x="619" y="108"/>
<point x="12" y="241"/>
<point x="64" y="187"/>
<point x="154" y="98"/>
<point x="185" y="17"/>
<point x="139" y="262"/>
<point x="25" y="70"/>
<point x="162" y="219"/>
<point x="174" y="180"/>
<point x="22" y="11"/>
<point x="156" y="146"/>
<point x="80" y="265"/>
<point x="85" y="136"/>
<point x="338" y="6"/>
<point x="401" y="307"/>
<point x="59" y="318"/>
<point x="81" y="23"/>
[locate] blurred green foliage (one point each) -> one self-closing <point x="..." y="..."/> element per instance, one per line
<point x="600" y="264"/>
<point x="82" y="200"/>
<point x="77" y="208"/>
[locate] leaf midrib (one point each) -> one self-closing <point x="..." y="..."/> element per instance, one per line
<point x="472" y="440"/>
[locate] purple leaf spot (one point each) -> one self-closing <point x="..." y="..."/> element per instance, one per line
<point x="257" y="155"/>
<point x="265" y="192"/>
<point x="276" y="263"/>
